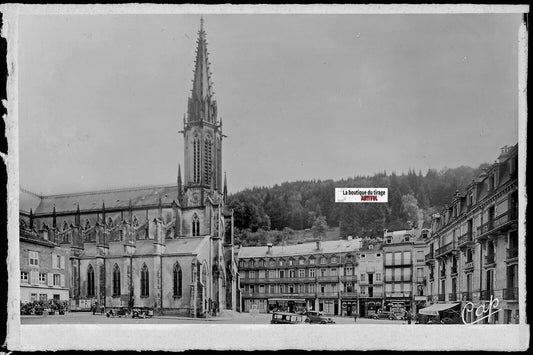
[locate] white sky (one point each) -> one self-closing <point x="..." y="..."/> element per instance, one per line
<point x="102" y="97"/>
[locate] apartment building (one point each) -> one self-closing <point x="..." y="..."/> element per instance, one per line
<point x="405" y="286"/>
<point x="320" y="276"/>
<point x="370" y="271"/>
<point x="473" y="249"/>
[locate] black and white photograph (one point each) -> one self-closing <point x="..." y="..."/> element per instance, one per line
<point x="263" y="177"/>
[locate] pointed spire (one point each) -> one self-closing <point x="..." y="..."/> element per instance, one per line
<point x="31" y="218"/>
<point x="179" y="179"/>
<point x="54" y="221"/>
<point x="225" y="188"/>
<point x="78" y="222"/>
<point x="103" y="212"/>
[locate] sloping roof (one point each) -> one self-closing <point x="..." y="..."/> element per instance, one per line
<point x="28" y="201"/>
<point x="139" y="196"/>
<point x="187" y="245"/>
<point x="329" y="247"/>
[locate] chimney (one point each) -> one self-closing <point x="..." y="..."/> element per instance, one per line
<point x="318" y="244"/>
<point x="269" y="250"/>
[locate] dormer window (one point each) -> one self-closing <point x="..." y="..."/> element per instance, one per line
<point x="407" y="238"/>
<point x="371" y="246"/>
<point x="389" y="240"/>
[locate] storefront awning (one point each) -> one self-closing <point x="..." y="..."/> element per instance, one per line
<point x="434" y="309"/>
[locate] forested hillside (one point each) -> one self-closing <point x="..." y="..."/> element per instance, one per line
<point x="302" y="205"/>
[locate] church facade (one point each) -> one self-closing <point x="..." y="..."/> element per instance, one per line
<point x="169" y="248"/>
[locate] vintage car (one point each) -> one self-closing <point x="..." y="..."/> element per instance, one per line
<point x="286" y="318"/>
<point x="317" y="317"/>
<point x="384" y="315"/>
<point x="142" y="312"/>
<point x="118" y="312"/>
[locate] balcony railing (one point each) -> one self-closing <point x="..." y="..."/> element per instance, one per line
<point x="454" y="270"/>
<point x="278" y="294"/>
<point x="349" y="278"/>
<point x="443" y="273"/>
<point x="489" y="259"/>
<point x="431" y="276"/>
<point x="441" y="297"/>
<point x="512" y="253"/>
<point x="510" y="293"/>
<point x="452" y="297"/>
<point x="429" y="257"/>
<point x="392" y="278"/>
<point x="328" y="294"/>
<point x="328" y="278"/>
<point x="421" y="279"/>
<point x="497" y="223"/>
<point x="348" y="294"/>
<point x="445" y="249"/>
<point x="465" y="238"/>
<point x="486" y="294"/>
<point x="469" y="265"/>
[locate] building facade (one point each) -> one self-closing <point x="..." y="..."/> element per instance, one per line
<point x="371" y="279"/>
<point x="473" y="250"/>
<point x="169" y="248"/>
<point x="321" y="276"/>
<point x="404" y="269"/>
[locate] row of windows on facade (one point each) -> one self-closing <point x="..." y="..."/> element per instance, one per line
<point x="300" y="261"/>
<point x="43" y="297"/>
<point x="177" y="281"/>
<point x="301" y="273"/>
<point x="304" y="288"/>
<point x="37" y="278"/>
<point x="395" y="258"/>
<point x="58" y="261"/>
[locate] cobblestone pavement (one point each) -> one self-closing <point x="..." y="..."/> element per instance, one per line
<point x="226" y="318"/>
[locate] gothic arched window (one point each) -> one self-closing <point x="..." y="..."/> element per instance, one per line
<point x="208" y="160"/>
<point x="195" y="225"/>
<point x="177" y="280"/>
<point x="87" y="224"/>
<point x="204" y="274"/>
<point x="144" y="281"/>
<point x="109" y="223"/>
<point x="65" y="225"/>
<point x="90" y="281"/>
<point x="116" y="280"/>
<point x="196" y="160"/>
<point x="135" y="221"/>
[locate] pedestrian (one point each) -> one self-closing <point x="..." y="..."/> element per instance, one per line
<point x="93" y="307"/>
<point x="355" y="317"/>
<point x="408" y="317"/>
<point x="102" y="310"/>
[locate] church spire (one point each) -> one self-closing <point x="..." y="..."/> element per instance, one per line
<point x="201" y="105"/>
<point x="179" y="181"/>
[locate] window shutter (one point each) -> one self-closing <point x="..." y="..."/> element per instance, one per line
<point x="62" y="262"/>
<point x="54" y="261"/>
<point x="50" y="279"/>
<point x="62" y="280"/>
<point x="35" y="278"/>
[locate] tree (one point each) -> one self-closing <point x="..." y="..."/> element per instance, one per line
<point x="320" y="226"/>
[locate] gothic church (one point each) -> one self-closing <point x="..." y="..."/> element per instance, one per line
<point x="169" y="248"/>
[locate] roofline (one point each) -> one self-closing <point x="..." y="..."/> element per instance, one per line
<point x="83" y="193"/>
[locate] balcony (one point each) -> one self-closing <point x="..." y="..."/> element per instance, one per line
<point x="441" y="297"/>
<point x="469" y="265"/>
<point x="421" y="280"/>
<point x="349" y="278"/>
<point x="452" y="297"/>
<point x="328" y="278"/>
<point x="489" y="259"/>
<point x="465" y="239"/>
<point x="512" y="253"/>
<point x="429" y="257"/>
<point x="503" y="220"/>
<point x="443" y="273"/>
<point x="486" y="294"/>
<point x="328" y="294"/>
<point x="448" y="248"/>
<point x="510" y="294"/>
<point x="454" y="270"/>
<point x="348" y="294"/>
<point x="431" y="276"/>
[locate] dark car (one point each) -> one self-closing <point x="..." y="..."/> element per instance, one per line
<point x="384" y="315"/>
<point x="317" y="317"/>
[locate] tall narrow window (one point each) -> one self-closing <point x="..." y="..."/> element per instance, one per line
<point x="208" y="160"/>
<point x="144" y="281"/>
<point x="195" y="225"/>
<point x="177" y="280"/>
<point x="196" y="160"/>
<point x="90" y="281"/>
<point x="116" y="281"/>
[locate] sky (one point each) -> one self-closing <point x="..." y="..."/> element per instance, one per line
<point x="102" y="97"/>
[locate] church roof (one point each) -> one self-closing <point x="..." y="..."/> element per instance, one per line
<point x="119" y="198"/>
<point x="326" y="247"/>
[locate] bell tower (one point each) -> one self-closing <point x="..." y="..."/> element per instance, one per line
<point x="202" y="132"/>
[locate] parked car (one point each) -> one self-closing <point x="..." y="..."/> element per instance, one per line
<point x="286" y="318"/>
<point x="317" y="317"/>
<point x="384" y="315"/>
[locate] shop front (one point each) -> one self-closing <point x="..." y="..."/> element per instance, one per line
<point x="292" y="305"/>
<point x="368" y="307"/>
<point x="349" y="307"/>
<point x="399" y="306"/>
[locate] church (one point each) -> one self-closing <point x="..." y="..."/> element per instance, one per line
<point x="169" y="248"/>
